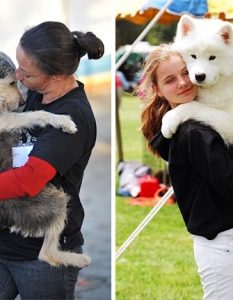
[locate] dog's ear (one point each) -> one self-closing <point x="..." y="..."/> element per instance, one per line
<point x="226" y="33"/>
<point x="6" y="65"/>
<point x="185" y="25"/>
<point x="5" y="70"/>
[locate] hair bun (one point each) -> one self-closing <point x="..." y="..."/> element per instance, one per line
<point x="81" y="50"/>
<point x="89" y="44"/>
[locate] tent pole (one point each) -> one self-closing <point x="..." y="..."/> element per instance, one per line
<point x="142" y="35"/>
<point x="118" y="129"/>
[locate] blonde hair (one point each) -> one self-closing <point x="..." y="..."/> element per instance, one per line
<point x="155" y="107"/>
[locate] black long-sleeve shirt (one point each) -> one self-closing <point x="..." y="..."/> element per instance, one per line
<point x="201" y="172"/>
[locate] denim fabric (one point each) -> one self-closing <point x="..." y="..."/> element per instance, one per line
<point x="37" y="280"/>
<point x="214" y="259"/>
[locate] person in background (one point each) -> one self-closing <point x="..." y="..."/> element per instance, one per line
<point x="48" y="56"/>
<point x="200" y="169"/>
<point x="122" y="85"/>
<point x="125" y="84"/>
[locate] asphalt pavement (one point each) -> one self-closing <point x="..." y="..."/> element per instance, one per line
<point x="95" y="281"/>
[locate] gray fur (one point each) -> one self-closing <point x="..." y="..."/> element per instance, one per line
<point x="7" y="67"/>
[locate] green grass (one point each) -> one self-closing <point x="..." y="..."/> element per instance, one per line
<point x="159" y="263"/>
<point x="130" y="124"/>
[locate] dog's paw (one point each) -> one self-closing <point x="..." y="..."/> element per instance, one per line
<point x="169" y="124"/>
<point x="67" y="125"/>
<point x="84" y="261"/>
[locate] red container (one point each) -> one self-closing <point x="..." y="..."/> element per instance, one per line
<point x="148" y="186"/>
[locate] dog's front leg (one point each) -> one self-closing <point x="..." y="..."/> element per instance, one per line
<point x="17" y="121"/>
<point x="173" y="118"/>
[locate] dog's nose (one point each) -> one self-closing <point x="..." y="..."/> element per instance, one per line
<point x="200" y="77"/>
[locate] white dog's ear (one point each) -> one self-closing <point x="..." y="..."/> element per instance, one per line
<point x="185" y="25"/>
<point x="226" y="33"/>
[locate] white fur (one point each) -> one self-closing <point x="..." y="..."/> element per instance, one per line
<point x="206" y="46"/>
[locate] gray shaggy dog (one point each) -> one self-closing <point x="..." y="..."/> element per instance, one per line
<point x="45" y="214"/>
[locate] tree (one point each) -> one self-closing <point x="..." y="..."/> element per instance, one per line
<point x="161" y="33"/>
<point x="127" y="32"/>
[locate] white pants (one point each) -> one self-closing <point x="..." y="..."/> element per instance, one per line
<point x="214" y="259"/>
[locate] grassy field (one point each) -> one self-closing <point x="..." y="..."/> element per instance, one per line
<point x="159" y="263"/>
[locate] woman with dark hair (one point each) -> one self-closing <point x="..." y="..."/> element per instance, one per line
<point x="48" y="55"/>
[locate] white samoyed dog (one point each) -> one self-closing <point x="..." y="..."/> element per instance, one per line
<point x="206" y="46"/>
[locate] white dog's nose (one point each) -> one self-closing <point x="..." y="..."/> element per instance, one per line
<point x="200" y="77"/>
